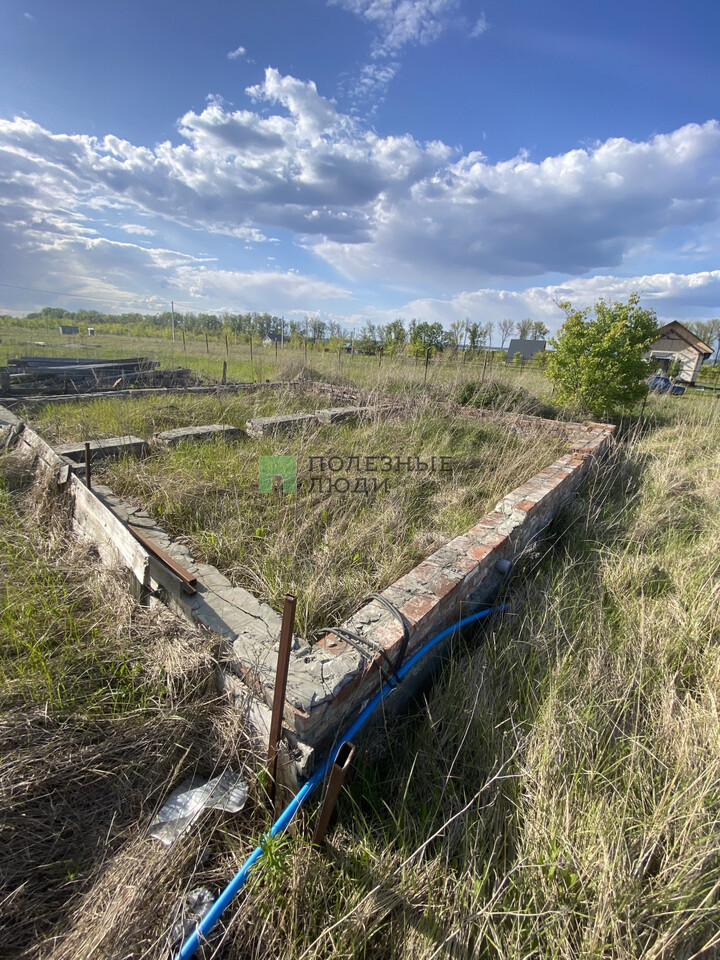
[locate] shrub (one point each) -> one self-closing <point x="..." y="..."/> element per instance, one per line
<point x="598" y="363"/>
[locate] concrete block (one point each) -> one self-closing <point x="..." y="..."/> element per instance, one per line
<point x="103" y="449"/>
<point x="212" y="431"/>
<point x="290" y="423"/>
<point x="342" y="414"/>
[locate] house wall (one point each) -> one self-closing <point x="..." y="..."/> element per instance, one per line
<point x="689" y="357"/>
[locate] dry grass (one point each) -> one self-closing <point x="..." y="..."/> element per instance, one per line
<point x="106" y="706"/>
<point x="556" y="795"/>
<point x="331" y="548"/>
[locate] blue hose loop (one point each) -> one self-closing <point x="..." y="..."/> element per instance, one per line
<point x="204" y="928"/>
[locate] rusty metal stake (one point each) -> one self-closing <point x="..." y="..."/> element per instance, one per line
<point x="88" y="477"/>
<point x="337" y="775"/>
<point x="189" y="582"/>
<point x="281" y="675"/>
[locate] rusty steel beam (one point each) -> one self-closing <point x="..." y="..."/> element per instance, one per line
<point x="189" y="581"/>
<point x="281" y="675"/>
<point x="337" y="776"/>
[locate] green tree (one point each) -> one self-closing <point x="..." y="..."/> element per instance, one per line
<point x="477" y="336"/>
<point x="394" y="336"/>
<point x="367" y="341"/>
<point x="524" y="328"/>
<point x="427" y="336"/>
<point x="598" y="363"/>
<point x="538" y="331"/>
<point x="457" y="329"/>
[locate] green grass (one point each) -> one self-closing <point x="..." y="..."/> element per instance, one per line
<point x="144" y="416"/>
<point x="331" y="548"/>
<point x="104" y="707"/>
<point x="399" y="374"/>
<point x="556" y="794"/>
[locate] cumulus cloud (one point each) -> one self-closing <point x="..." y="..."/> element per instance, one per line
<point x="389" y="209"/>
<point x="569" y="214"/>
<point x="237" y="54"/>
<point x="676" y="296"/>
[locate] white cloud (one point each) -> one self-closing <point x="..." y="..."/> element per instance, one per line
<point x="673" y="296"/>
<point x="567" y="214"/>
<point x="396" y="24"/>
<point x="276" y="290"/>
<point x="481" y="26"/>
<point x="237" y="54"/>
<point x="400" y="22"/>
<point x="137" y="229"/>
<point x="387" y="210"/>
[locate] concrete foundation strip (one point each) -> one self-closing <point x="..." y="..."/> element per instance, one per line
<point x="328" y="682"/>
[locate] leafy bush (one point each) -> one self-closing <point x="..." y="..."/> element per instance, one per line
<point x="598" y="364"/>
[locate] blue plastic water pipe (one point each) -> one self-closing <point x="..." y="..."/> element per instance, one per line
<point x="203" y="929"/>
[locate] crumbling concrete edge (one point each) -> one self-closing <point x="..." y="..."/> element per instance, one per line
<point x="329" y="682"/>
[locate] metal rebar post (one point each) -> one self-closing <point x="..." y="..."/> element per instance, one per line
<point x="281" y="675"/>
<point x="337" y="776"/>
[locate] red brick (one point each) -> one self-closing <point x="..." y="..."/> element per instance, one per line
<point x="425" y="570"/>
<point x="388" y="636"/>
<point x="325" y="641"/>
<point x="442" y="586"/>
<point x="480" y="552"/>
<point x="497" y="541"/>
<point x="419" y="607"/>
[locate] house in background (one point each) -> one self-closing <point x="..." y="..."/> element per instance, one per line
<point x="676" y="342"/>
<point x="526" y="348"/>
<point x="68" y="328"/>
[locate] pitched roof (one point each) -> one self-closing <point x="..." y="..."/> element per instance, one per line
<point x="675" y="328"/>
<point x="528" y="349"/>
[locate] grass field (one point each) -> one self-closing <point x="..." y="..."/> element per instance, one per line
<point x="393" y="374"/>
<point x="557" y="793"/>
<point x="329" y="550"/>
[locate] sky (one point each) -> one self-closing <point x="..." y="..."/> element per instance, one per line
<point x="360" y="160"/>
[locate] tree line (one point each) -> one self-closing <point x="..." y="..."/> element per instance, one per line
<point x="415" y="338"/>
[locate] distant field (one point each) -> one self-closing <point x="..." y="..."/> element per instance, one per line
<point x="392" y="374"/>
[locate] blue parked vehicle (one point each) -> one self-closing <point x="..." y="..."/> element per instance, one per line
<point x="660" y="384"/>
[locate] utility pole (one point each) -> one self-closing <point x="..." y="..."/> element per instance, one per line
<point x="172" y="308"/>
